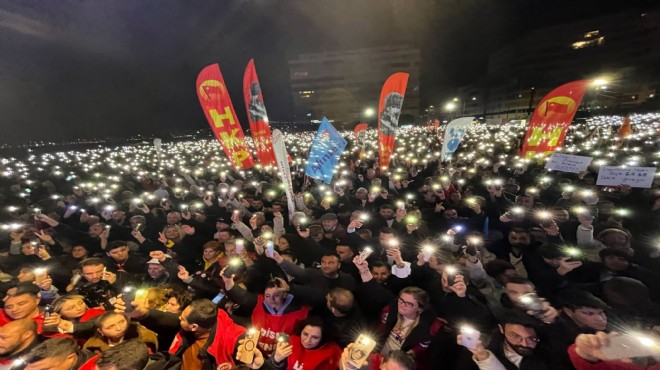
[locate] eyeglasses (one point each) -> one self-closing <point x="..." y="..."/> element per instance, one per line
<point x="406" y="303"/>
<point x="514" y="337"/>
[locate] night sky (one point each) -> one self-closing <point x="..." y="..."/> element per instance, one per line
<point x="83" y="68"/>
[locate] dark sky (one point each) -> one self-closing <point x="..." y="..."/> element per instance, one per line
<point x="94" y="68"/>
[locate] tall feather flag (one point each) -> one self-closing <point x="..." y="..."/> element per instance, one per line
<point x="219" y="112"/>
<point x="626" y="128"/>
<point x="551" y="119"/>
<point x="284" y="170"/>
<point x="389" y="110"/>
<point x="454" y="133"/>
<point x="257" y="116"/>
<point x="325" y="152"/>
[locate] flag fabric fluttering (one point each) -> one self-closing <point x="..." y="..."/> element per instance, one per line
<point x="389" y="110"/>
<point x="626" y="128"/>
<point x="551" y="119"/>
<point x="454" y="133"/>
<point x="257" y="116"/>
<point x="325" y="152"/>
<point x="284" y="170"/>
<point x="219" y="112"/>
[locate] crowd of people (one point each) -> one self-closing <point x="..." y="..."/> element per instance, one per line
<point x="139" y="257"/>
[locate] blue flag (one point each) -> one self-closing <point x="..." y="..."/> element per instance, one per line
<point x="325" y="152"/>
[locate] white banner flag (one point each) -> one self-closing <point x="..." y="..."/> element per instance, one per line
<point x="282" y="157"/>
<point x="454" y="133"/>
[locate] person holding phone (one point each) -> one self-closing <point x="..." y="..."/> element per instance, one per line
<point x="309" y="348"/>
<point x="599" y="351"/>
<point x="71" y="315"/>
<point x="407" y="321"/>
<point x="516" y="345"/>
<point x="274" y="311"/>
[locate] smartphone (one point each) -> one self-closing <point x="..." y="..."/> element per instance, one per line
<point x="240" y="246"/>
<point x="234" y="267"/>
<point x="360" y="351"/>
<point x="218" y="298"/>
<point x="469" y="337"/>
<point x="427" y="251"/>
<point x="270" y="248"/>
<point x="249" y="345"/>
<point x="128" y="296"/>
<point x="366" y="252"/>
<point x="531" y="302"/>
<point x="34" y="244"/>
<point x="282" y="338"/>
<point x="629" y="346"/>
<point x="39" y="275"/>
<point x="76" y="278"/>
<point x="303" y="224"/>
<point x="137" y="227"/>
<point x="48" y="310"/>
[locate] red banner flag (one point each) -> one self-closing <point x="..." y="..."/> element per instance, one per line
<point x="360" y="131"/>
<point x="552" y="117"/>
<point x="219" y="111"/>
<point x="257" y="116"/>
<point x="389" y="109"/>
<point x="626" y="129"/>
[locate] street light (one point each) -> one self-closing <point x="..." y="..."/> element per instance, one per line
<point x="369" y="112"/>
<point x="450" y="106"/>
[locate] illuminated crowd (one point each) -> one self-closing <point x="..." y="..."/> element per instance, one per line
<point x="145" y="257"/>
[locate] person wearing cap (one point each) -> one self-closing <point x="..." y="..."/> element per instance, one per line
<point x="161" y="272"/>
<point x="581" y="313"/>
<point x="332" y="229"/>
<point x="516" y="345"/>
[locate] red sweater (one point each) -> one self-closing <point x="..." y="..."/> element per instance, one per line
<point x="270" y="325"/>
<point x="325" y="357"/>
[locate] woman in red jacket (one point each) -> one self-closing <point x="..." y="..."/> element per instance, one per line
<point x="274" y="311"/>
<point x="70" y="314"/>
<point x="307" y="350"/>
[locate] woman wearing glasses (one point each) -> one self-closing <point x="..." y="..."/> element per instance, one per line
<point x="406" y="323"/>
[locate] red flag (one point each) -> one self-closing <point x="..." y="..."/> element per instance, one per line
<point x="626" y="129"/>
<point x="389" y="109"/>
<point x="256" y="111"/>
<point x="215" y="101"/>
<point x="552" y="117"/>
<point x="359" y="131"/>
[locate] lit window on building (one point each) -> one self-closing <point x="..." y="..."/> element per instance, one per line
<point x="305" y="94"/>
<point x="591" y="39"/>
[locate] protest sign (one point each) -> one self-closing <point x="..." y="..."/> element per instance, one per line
<point x="568" y="163"/>
<point x="635" y="177"/>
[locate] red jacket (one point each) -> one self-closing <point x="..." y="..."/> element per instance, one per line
<point x="325" y="357"/>
<point x="582" y="364"/>
<point x="270" y="325"/>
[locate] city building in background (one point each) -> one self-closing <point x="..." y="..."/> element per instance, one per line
<point x="621" y="51"/>
<point x="345" y="85"/>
